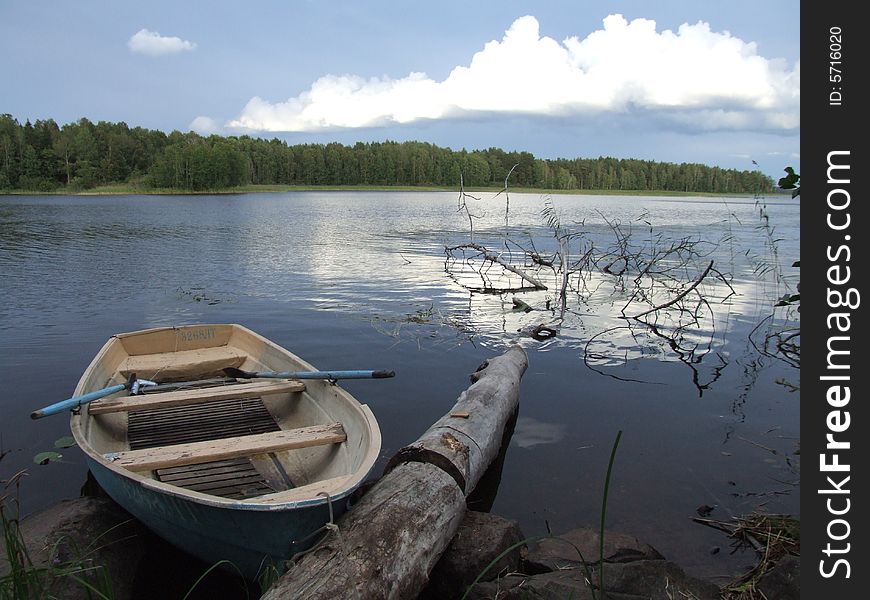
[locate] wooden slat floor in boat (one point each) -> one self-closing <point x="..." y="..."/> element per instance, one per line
<point x="234" y="478"/>
<point x="198" y="423"/>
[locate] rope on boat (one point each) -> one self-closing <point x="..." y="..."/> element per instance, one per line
<point x="330" y="526"/>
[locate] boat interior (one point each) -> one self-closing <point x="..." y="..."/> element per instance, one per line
<point x="258" y="440"/>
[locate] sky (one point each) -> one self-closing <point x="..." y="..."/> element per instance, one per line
<point x="671" y="80"/>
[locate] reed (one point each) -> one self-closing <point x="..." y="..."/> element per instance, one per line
<point x="24" y="578"/>
<point x="601" y="592"/>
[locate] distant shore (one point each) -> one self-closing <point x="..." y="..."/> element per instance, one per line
<point x="132" y="190"/>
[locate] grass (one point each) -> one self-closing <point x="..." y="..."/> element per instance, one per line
<point x="586" y="567"/>
<point x="604" y="512"/>
<point x="27" y="580"/>
<point x="772" y="536"/>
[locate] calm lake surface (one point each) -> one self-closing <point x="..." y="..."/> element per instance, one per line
<point x="361" y="280"/>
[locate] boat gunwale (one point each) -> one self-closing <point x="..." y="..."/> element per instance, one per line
<point x="318" y="498"/>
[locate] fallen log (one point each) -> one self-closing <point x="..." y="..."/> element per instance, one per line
<point x="465" y="446"/>
<point x="385" y="547"/>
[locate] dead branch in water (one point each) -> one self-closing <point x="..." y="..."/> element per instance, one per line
<point x="487" y="255"/>
<point x="679" y="297"/>
<point x="507" y="199"/>
<point x="651" y="274"/>
<point x="463" y="206"/>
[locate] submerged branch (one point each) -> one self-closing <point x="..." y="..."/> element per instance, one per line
<point x="679" y="297"/>
<point x="499" y="260"/>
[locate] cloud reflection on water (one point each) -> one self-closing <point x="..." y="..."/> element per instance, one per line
<point x="530" y="432"/>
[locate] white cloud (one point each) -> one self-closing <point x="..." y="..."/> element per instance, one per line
<point x="154" y="44"/>
<point x="694" y="77"/>
<point x="204" y="126"/>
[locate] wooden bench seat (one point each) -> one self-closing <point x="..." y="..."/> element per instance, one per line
<point x="162" y="457"/>
<point x="184" y="364"/>
<point x="241" y="391"/>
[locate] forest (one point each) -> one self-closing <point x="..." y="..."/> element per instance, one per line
<point x="45" y="157"/>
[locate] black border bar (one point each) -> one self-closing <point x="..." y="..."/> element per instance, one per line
<point x="835" y="226"/>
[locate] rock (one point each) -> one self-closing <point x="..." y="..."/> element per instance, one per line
<point x="633" y="570"/>
<point x="546" y="586"/>
<point x="481" y="537"/>
<point x="636" y="580"/>
<point x="783" y="581"/>
<point x="93" y="532"/>
<point x="562" y="552"/>
<point x="654" y="580"/>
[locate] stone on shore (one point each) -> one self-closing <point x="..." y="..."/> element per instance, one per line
<point x="93" y="532"/>
<point x="783" y="581"/>
<point x="481" y="537"/>
<point x="566" y="550"/>
<point x="632" y="571"/>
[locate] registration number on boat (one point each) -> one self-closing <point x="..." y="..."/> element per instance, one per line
<point x="192" y="335"/>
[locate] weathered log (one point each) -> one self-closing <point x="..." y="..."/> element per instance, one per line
<point x="482" y="497"/>
<point x="465" y="446"/>
<point x="386" y="546"/>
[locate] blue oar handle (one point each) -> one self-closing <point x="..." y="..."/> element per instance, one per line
<point x="69" y="403"/>
<point x="333" y="375"/>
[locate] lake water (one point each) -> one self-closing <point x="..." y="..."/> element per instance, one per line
<point x="361" y="280"/>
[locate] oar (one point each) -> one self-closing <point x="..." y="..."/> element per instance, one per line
<point x="239" y="374"/>
<point x="183" y="385"/>
<point x="69" y="403"/>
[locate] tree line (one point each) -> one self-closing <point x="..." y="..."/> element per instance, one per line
<point x="43" y="156"/>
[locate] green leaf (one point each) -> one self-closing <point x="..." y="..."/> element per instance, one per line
<point x="520" y="306"/>
<point x="796" y="263"/>
<point x="796" y="193"/>
<point x="789" y="182"/>
<point x="65" y="442"/>
<point x="43" y="458"/>
<point x="788" y="299"/>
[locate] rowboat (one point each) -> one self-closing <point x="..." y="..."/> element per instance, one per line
<point x="246" y="471"/>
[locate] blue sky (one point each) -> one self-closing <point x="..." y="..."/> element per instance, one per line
<point x="680" y="81"/>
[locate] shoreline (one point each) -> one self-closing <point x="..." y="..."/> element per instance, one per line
<point x="129" y="190"/>
<point x="489" y="553"/>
